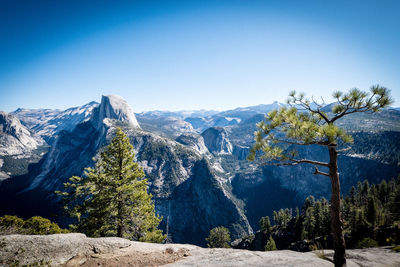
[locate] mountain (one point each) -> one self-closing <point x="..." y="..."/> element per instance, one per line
<point x="15" y="139"/>
<point x="183" y="114"/>
<point x="17" y="146"/>
<point x="166" y="126"/>
<point x="195" y="163"/>
<point x="48" y="122"/>
<point x="215" y="139"/>
<point x="202" y="121"/>
<point x="187" y="191"/>
<point x="113" y="107"/>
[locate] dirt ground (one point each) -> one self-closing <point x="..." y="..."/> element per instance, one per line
<point x="129" y="258"/>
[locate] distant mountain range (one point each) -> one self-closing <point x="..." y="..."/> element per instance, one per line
<point x="195" y="162"/>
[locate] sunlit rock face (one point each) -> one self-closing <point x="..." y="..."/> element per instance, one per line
<point x="194" y="141"/>
<point x="216" y="140"/>
<point x="47" y="123"/>
<point x="15" y="139"/>
<point x="113" y="107"/>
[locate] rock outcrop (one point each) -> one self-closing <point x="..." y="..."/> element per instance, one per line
<point x="216" y="140"/>
<point x="15" y="139"/>
<point x="194" y="141"/>
<point x="113" y="107"/>
<point x="79" y="250"/>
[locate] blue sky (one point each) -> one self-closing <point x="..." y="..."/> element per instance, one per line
<point x="174" y="55"/>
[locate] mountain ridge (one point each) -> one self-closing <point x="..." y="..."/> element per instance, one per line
<point x="169" y="149"/>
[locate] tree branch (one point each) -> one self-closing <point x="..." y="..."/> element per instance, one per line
<point x="293" y="162"/>
<point x="298" y="161"/>
<point x="316" y="172"/>
<point x="321" y="143"/>
<point x="307" y="107"/>
<point x="344" y="150"/>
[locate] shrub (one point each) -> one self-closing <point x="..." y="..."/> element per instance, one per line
<point x="219" y="238"/>
<point x="367" y="243"/>
<point x="34" y="226"/>
<point x="41" y="226"/>
<point x="11" y="221"/>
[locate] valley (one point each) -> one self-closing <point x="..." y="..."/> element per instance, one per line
<point x="196" y="162"/>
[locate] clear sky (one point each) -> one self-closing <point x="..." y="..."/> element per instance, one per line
<point x="174" y="55"/>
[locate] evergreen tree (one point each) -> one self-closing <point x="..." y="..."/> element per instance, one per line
<point x="309" y="202"/>
<point x="112" y="198"/>
<point x="394" y="203"/>
<point x="219" y="237"/>
<point x="297" y="214"/>
<point x="326" y="216"/>
<point x="287" y="129"/>
<point x="265" y="225"/>
<point x="360" y="220"/>
<point x="270" y="246"/>
<point x="319" y="219"/>
<point x="383" y="191"/>
<point x="372" y="210"/>
<point x="309" y="224"/>
<point x="352" y="194"/>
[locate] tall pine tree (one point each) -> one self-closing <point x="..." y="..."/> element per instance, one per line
<point x="111" y="199"/>
<point x="307" y="124"/>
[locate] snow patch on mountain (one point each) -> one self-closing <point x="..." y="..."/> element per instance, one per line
<point x="49" y="122"/>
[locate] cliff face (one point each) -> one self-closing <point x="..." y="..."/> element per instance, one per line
<point x="202" y="198"/>
<point x="115" y="108"/>
<point x="216" y="140"/>
<point x="15" y="139"/>
<point x="193" y="141"/>
<point x="17" y="146"/>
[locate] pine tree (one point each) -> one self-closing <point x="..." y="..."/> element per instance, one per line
<point x="265" y="225"/>
<point x="270" y="246"/>
<point x="309" y="224"/>
<point x="372" y="210"/>
<point x="284" y="130"/>
<point x="111" y="199"/>
<point x="319" y="218"/>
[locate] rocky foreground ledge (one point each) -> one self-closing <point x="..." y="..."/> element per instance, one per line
<point x="79" y="250"/>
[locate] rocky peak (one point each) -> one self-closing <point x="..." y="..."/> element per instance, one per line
<point x="11" y="125"/>
<point x="194" y="141"/>
<point x="216" y="140"/>
<point x="14" y="137"/>
<point x="113" y="107"/>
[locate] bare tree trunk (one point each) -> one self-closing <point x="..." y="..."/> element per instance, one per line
<point x="339" y="257"/>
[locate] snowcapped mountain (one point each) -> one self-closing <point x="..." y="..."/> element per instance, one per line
<point x="48" y="122"/>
